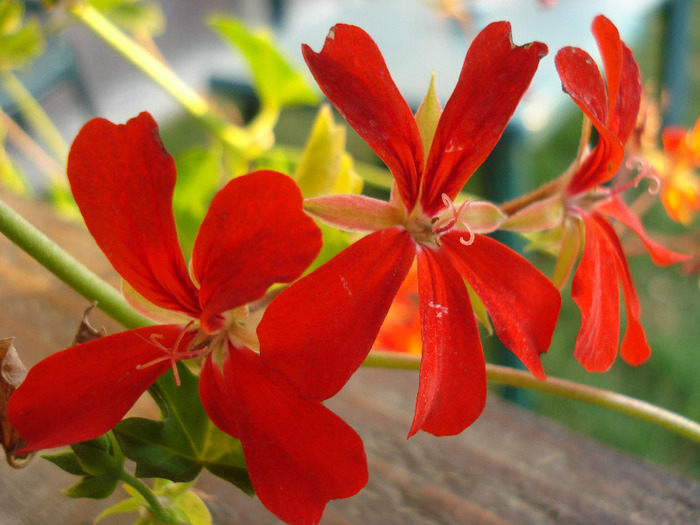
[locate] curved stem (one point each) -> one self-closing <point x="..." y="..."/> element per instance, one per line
<point x="160" y="512"/>
<point x="67" y="268"/>
<point x="563" y="388"/>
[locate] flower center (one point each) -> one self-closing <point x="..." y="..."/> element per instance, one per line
<point x="428" y="230"/>
<point x="174" y="354"/>
<point x="588" y="201"/>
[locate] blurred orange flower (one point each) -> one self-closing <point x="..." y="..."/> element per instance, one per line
<point x="680" y="185"/>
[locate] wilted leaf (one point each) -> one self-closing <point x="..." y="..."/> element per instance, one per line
<point x="85" y="331"/>
<point x="12" y="373"/>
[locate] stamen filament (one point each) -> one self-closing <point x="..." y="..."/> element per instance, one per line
<point x="172" y="354"/>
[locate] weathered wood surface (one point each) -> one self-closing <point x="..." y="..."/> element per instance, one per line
<point x="511" y="467"/>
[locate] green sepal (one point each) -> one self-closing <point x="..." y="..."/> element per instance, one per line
<point x="185" y="441"/>
<point x="479" y="309"/>
<point x="428" y="116"/>
<point x="572" y="238"/>
<point x="325" y="167"/>
<point x="275" y="81"/>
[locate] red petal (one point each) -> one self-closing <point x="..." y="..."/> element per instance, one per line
<point x="624" y="83"/>
<point x="617" y="209"/>
<point x="594" y="289"/>
<point x="634" y="349"/>
<point x="299" y="454"/>
<point x="522" y="302"/>
<point x="452" y="387"/>
<point x="255" y="234"/>
<point x="608" y="39"/>
<point x="82" y="392"/>
<point x="613" y="112"/>
<point x="352" y="73"/>
<point x="122" y="179"/>
<point x="494" y="77"/>
<point x="581" y="79"/>
<point x="318" y="331"/>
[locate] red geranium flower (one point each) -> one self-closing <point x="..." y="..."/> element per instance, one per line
<point x="331" y="317"/>
<point x="612" y="107"/>
<point x="299" y="454"/>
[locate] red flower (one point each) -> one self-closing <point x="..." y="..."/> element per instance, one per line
<point x="612" y="107"/>
<point x="298" y="453"/>
<point x="331" y="317"/>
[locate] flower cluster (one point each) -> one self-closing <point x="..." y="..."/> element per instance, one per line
<point x="266" y="384"/>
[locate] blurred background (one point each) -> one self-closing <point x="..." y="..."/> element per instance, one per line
<point x="78" y="77"/>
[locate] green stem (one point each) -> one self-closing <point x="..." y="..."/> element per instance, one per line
<point x="160" y="512"/>
<point x="152" y="67"/>
<point x="563" y="388"/>
<point x="67" y="268"/>
<point x="35" y="114"/>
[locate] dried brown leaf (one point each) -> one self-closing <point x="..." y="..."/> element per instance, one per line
<point x="12" y="373"/>
<point x="86" y="332"/>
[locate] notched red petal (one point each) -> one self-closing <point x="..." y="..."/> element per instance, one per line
<point x="299" y="454"/>
<point x="255" y="234"/>
<point x="351" y="71"/>
<point x="494" y="77"/>
<point x="122" y="180"/>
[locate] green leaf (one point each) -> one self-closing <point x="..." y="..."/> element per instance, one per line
<point x="198" y="176"/>
<point x="334" y="242"/>
<point x="325" y="167"/>
<point x="98" y="458"/>
<point x="185" y="441"/>
<point x="66" y="460"/>
<point x="99" y="462"/>
<point x="134" y="16"/>
<point x="275" y="81"/>
<point x="194" y="509"/>
<point x="21" y="41"/>
<point x="93" y="487"/>
<point x="127" y="506"/>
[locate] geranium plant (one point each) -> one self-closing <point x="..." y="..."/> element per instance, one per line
<point x="293" y="271"/>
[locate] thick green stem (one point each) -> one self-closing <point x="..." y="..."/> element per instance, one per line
<point x="156" y="70"/>
<point x="67" y="268"/>
<point x="35" y="114"/>
<point x="161" y="513"/>
<point x="560" y="387"/>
